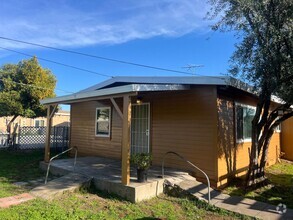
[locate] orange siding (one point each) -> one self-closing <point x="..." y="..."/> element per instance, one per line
<point x="233" y="157"/>
<point x="227" y="152"/>
<point x="274" y="149"/>
<point x="185" y="122"/>
<point x="287" y="138"/>
<point x="83" y="131"/>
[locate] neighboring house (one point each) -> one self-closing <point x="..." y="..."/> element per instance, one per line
<point x="205" y="119"/>
<point x="61" y="118"/>
<point x="287" y="139"/>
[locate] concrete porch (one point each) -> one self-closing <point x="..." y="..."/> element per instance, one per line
<point x="106" y="175"/>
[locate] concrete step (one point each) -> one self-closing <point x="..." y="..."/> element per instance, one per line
<point x="176" y="180"/>
<point x="200" y="190"/>
<point x="69" y="182"/>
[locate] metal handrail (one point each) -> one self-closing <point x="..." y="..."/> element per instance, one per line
<point x="63" y="152"/>
<point x="172" y="152"/>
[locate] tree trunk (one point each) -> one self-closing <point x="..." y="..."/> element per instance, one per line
<point x="260" y="143"/>
<point x="8" y="129"/>
<point x="253" y="160"/>
<point x="263" y="161"/>
<point x="254" y="153"/>
<point x="264" y="156"/>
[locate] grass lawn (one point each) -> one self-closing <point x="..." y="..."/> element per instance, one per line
<point x="279" y="189"/>
<point x="18" y="166"/>
<point x="84" y="205"/>
<point x="91" y="204"/>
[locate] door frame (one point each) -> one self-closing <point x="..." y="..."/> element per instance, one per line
<point x="148" y="123"/>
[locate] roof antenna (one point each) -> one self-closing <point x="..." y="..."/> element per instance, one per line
<point x="192" y="67"/>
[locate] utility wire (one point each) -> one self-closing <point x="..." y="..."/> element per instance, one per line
<point x="34" y="86"/>
<point x="99" y="57"/>
<point x="58" y="63"/>
<point x="38" y="87"/>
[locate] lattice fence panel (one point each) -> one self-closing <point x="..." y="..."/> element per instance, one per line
<point x="34" y="137"/>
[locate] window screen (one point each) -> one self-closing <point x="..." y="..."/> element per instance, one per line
<point x="103" y="121"/>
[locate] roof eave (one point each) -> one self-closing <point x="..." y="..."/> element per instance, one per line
<point x="131" y="89"/>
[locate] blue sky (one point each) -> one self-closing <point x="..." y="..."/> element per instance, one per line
<point x="167" y="33"/>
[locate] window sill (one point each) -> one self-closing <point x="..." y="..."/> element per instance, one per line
<point x="242" y="141"/>
<point x="102" y="136"/>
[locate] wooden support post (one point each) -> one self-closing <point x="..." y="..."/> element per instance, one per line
<point x="50" y="113"/>
<point x="126" y="140"/>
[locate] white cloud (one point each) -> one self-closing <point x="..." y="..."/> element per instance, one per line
<point x="69" y="24"/>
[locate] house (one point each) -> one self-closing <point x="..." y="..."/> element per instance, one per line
<point x="207" y="120"/>
<point x="287" y="139"/>
<point x="61" y="118"/>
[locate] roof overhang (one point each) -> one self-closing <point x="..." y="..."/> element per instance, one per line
<point x="118" y="91"/>
<point x="186" y="80"/>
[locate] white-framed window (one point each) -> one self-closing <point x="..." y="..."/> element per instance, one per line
<point x="39" y="123"/>
<point x="244" y="117"/>
<point x="103" y="121"/>
<point x="278" y="128"/>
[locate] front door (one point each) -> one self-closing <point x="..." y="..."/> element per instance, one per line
<point x="140" y="128"/>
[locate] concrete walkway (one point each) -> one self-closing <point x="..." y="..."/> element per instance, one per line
<point x="237" y="204"/>
<point x="69" y="182"/>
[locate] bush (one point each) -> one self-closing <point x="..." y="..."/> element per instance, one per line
<point x="141" y="160"/>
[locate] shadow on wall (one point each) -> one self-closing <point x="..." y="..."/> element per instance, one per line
<point x="227" y="149"/>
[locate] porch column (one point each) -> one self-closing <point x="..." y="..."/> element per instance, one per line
<point x="126" y="140"/>
<point x="50" y="113"/>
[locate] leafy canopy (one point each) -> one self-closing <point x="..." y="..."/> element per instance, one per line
<point x="22" y="86"/>
<point x="264" y="55"/>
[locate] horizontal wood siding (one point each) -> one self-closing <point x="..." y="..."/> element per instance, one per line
<point x="83" y="130"/>
<point x="274" y="149"/>
<point x="181" y="121"/>
<point x="227" y="151"/>
<point x="185" y="122"/>
<point x="233" y="157"/>
<point x="287" y="138"/>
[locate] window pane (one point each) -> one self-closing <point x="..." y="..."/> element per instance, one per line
<point x="103" y="121"/>
<point x="278" y="128"/>
<point x="248" y="114"/>
<point x="244" y="118"/>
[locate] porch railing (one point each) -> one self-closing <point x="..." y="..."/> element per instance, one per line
<point x="187" y="161"/>
<point x="63" y="152"/>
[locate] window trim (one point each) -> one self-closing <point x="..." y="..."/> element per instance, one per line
<point x="110" y="117"/>
<point x="241" y="140"/>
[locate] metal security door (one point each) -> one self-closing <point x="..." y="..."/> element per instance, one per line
<point x="140" y="128"/>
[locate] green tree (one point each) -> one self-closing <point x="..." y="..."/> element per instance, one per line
<point x="22" y="86"/>
<point x="263" y="57"/>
